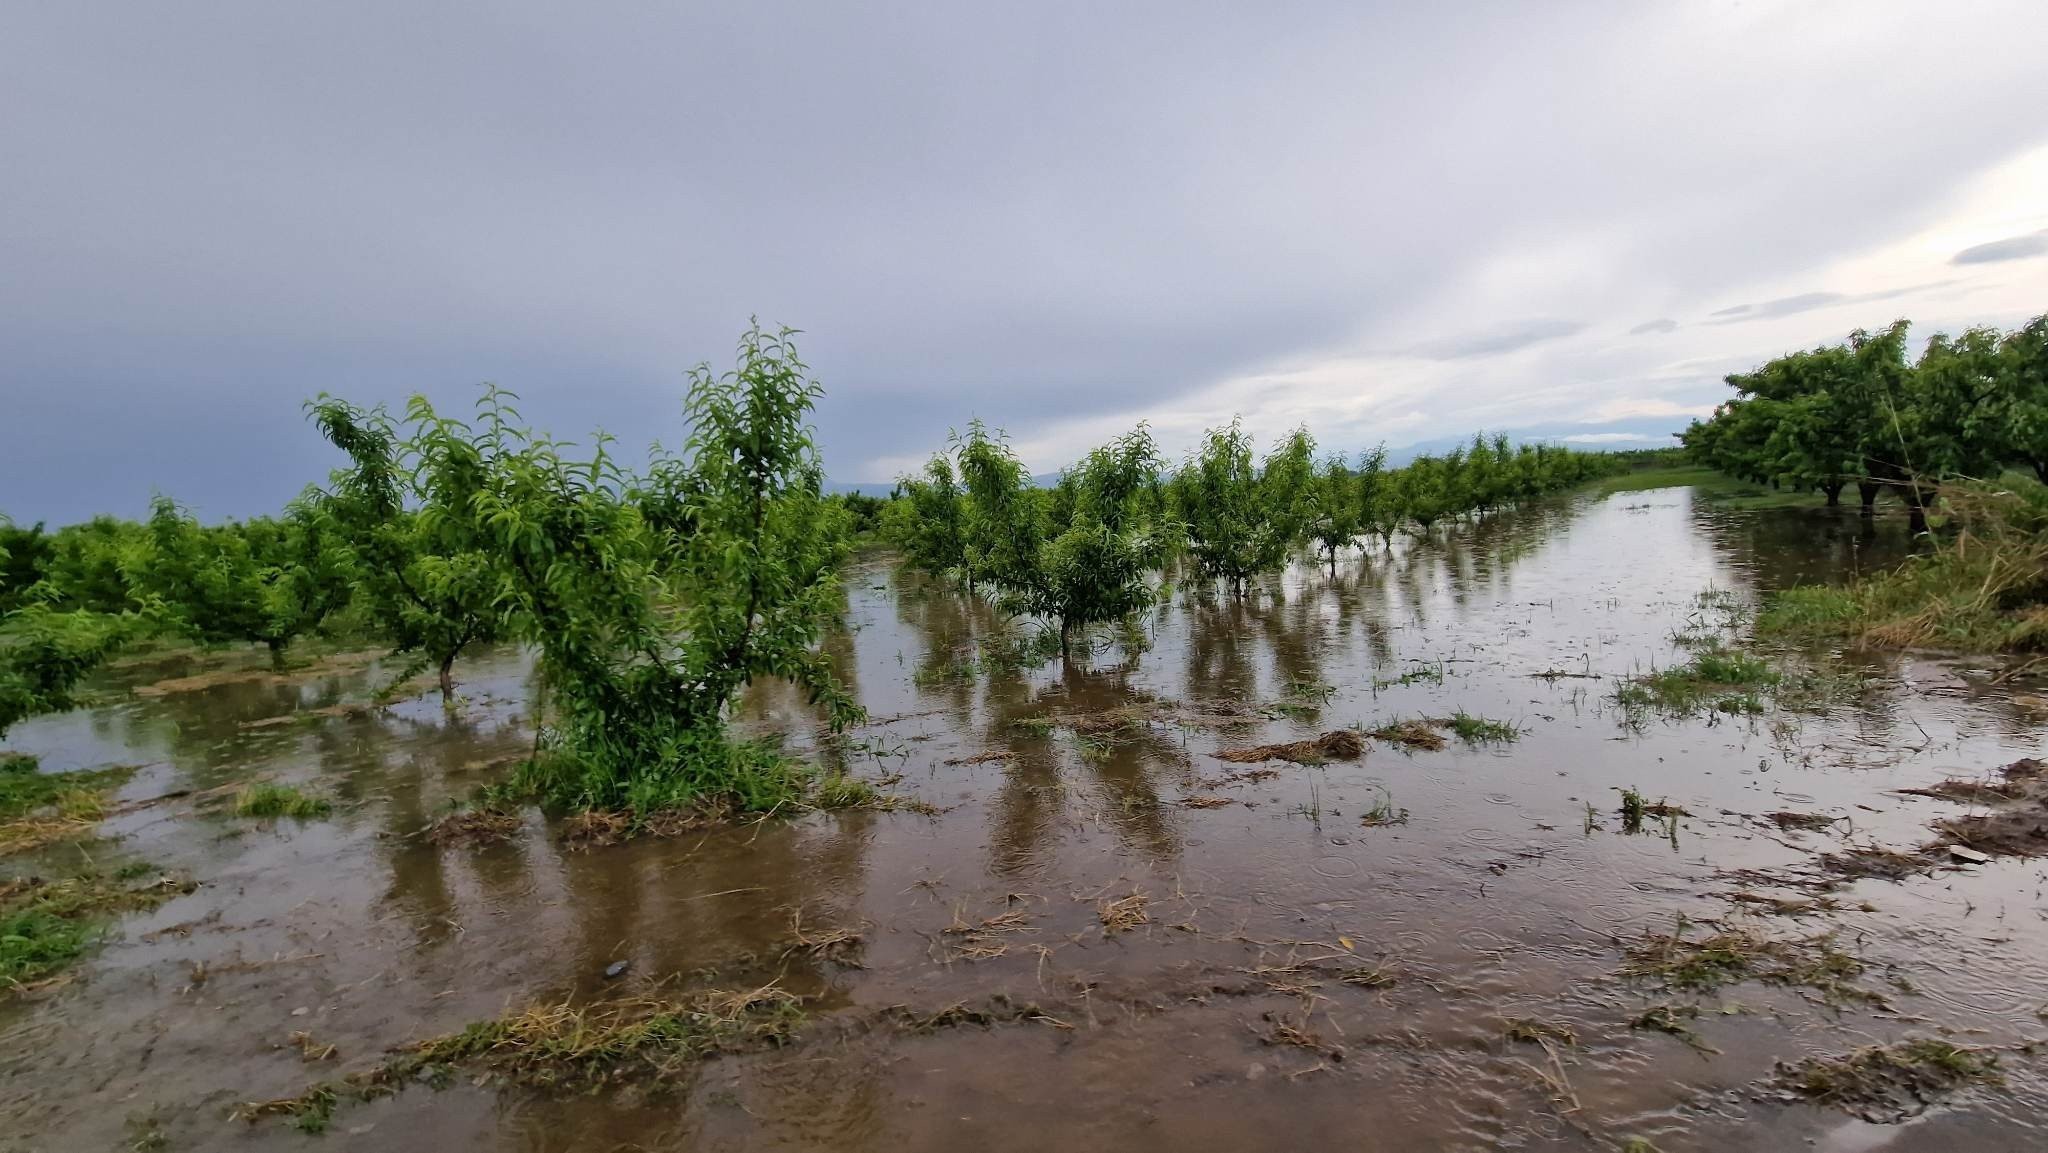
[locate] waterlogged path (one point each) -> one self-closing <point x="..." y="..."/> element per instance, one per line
<point x="1099" y="934"/>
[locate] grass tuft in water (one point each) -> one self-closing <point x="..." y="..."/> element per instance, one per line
<point x="268" y="799"/>
<point x="1478" y="730"/>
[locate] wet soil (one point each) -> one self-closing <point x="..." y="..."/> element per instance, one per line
<point x="1097" y="932"/>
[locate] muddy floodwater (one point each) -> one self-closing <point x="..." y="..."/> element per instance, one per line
<point x="1093" y="933"/>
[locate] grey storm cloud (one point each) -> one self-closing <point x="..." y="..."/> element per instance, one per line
<point x="1498" y="341"/>
<point x="1808" y="301"/>
<point x="1661" y="324"/>
<point x="2011" y="248"/>
<point x="1031" y="214"/>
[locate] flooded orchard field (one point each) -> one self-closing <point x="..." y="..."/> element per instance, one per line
<point x="1563" y="924"/>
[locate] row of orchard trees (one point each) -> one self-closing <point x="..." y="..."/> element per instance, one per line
<point x="652" y="596"/>
<point x="1864" y="412"/>
<point x="1080" y="551"/>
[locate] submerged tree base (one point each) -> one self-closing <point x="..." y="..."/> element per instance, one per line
<point x="708" y="780"/>
<point x="1983" y="590"/>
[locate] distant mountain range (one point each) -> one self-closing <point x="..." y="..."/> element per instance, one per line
<point x="1609" y="436"/>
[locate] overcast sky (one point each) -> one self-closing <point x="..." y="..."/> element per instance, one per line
<point x="1392" y="222"/>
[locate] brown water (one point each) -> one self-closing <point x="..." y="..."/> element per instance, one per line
<point x="1493" y="901"/>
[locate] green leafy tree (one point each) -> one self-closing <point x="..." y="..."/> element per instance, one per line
<point x="1232" y="534"/>
<point x="930" y="528"/>
<point x="424" y="576"/>
<point x="1379" y="505"/>
<point x="1287" y="487"/>
<point x="46" y="653"/>
<point x="1337" y="521"/>
<point x="1003" y="525"/>
<point x="2024" y="353"/>
<point x="653" y="601"/>
<point x="1094" y="570"/>
<point x="262" y="580"/>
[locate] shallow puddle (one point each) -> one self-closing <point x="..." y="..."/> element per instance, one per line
<point x="1408" y="950"/>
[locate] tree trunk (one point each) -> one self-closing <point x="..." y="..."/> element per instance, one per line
<point x="1866" y="491"/>
<point x="2041" y="470"/>
<point x="1834" y="491"/>
<point x="1917" y="500"/>
<point x="448" y="681"/>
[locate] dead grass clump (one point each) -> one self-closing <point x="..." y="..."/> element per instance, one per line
<point x="1861" y="861"/>
<point x="1200" y="801"/>
<point x="1535" y="1030"/>
<point x="2015" y="822"/>
<point x="1802" y="822"/>
<point x="839" y="946"/>
<point x="1783" y="906"/>
<point x="311" y="1050"/>
<point x="594" y="828"/>
<point x="485" y="826"/>
<point x="1414" y="734"/>
<point x="982" y="940"/>
<point x="988" y="758"/>
<point x="1124" y="914"/>
<point x="1731" y="956"/>
<point x="1671" y="1019"/>
<point x="1280" y="1029"/>
<point x="1886" y="1084"/>
<point x="1335" y="745"/>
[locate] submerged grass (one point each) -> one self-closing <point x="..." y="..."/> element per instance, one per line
<point x="1889" y="1083"/>
<point x="38" y="808"/>
<point x="1730" y="956"/>
<point x="46" y="925"/>
<point x="565" y="1047"/>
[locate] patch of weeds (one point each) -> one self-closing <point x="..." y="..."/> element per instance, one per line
<point x="1979" y="590"/>
<point x="1636" y="808"/>
<point x="958" y="669"/>
<point x="1886" y="1084"/>
<point x="1731" y="956"/>
<point x="46" y="925"/>
<point x="1715" y="680"/>
<point x="1478" y="730"/>
<point x="269" y="799"/>
<point x="1422" y="673"/>
<point x="564" y="1047"/>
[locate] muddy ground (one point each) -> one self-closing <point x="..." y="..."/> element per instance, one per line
<point x="1092" y="931"/>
